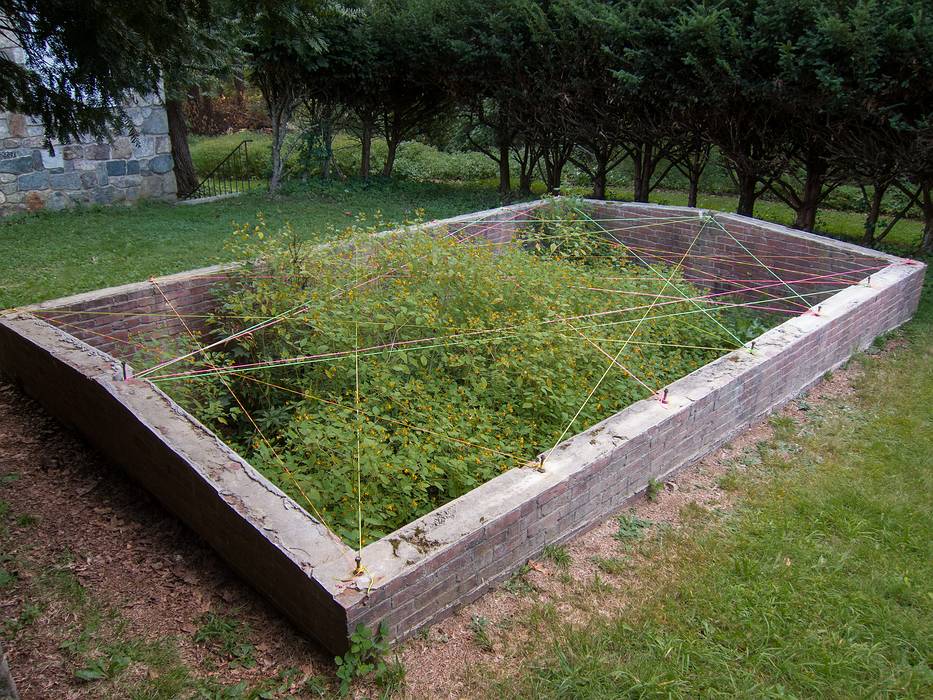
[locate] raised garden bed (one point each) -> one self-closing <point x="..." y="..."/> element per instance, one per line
<point x="422" y="366"/>
<point x="69" y="354"/>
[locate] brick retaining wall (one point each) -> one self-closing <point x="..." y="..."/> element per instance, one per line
<point x="120" y="320"/>
<point x="426" y="569"/>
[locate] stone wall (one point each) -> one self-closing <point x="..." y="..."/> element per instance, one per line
<point x="35" y="177"/>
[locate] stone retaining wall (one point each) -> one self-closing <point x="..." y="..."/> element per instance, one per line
<point x="88" y="172"/>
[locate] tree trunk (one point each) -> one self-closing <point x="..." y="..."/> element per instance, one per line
<point x="694" y="188"/>
<point x="525" y="179"/>
<point x="279" y="114"/>
<point x="748" y="185"/>
<point x="366" y="142"/>
<point x="692" y="165"/>
<point x="387" y="167"/>
<point x="812" y="194"/>
<point x="186" y="178"/>
<point x="600" y="174"/>
<point x="505" y="170"/>
<point x="553" y="171"/>
<point x="239" y="87"/>
<point x="527" y="164"/>
<point x="926" y="243"/>
<point x="874" y="213"/>
<point x="643" y="171"/>
<point x="806" y="215"/>
<point x="327" y="140"/>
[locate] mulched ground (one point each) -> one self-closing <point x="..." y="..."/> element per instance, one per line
<point x="128" y="552"/>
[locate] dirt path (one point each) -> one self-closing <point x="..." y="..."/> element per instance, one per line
<point x="69" y="509"/>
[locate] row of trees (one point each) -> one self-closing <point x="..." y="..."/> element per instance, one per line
<point x="796" y="96"/>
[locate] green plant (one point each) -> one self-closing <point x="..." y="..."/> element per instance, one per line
<point x="365" y="656"/>
<point x="630" y="527"/>
<point x="653" y="490"/>
<point x="316" y="686"/>
<point x="27" y="520"/>
<point x="391" y="679"/>
<point x="729" y="481"/>
<point x="29" y="614"/>
<point x="692" y="512"/>
<point x="479" y="627"/>
<point x="89" y="248"/>
<point x="558" y="554"/>
<point x="464" y="372"/>
<point x="611" y="565"/>
<point x="518" y="583"/>
<point x="598" y="585"/>
<point x="103" y="667"/>
<point x="572" y="239"/>
<point x="228" y="638"/>
<point x="817" y="586"/>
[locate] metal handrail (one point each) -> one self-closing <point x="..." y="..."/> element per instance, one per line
<point x="226" y="177"/>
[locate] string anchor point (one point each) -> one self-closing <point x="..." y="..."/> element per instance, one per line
<point x="540" y="465"/>
<point x="663" y="398"/>
<point x="751" y="346"/>
<point x="360" y="580"/>
<point x="124" y="373"/>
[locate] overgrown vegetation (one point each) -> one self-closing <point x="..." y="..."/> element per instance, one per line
<point x="365" y="657"/>
<point x="856" y="496"/>
<point x="473" y="360"/>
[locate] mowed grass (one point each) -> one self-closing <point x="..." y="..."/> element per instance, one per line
<point x="820" y="586"/>
<point x="52" y="254"/>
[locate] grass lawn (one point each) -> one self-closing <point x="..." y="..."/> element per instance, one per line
<point x="820" y="585"/>
<point x="52" y="254"/>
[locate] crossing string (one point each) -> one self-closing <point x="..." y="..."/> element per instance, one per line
<point x="249" y="417"/>
<point x="581" y="324"/>
<point x="614" y="358"/>
<point x="303" y="306"/>
<point x="490" y="335"/>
